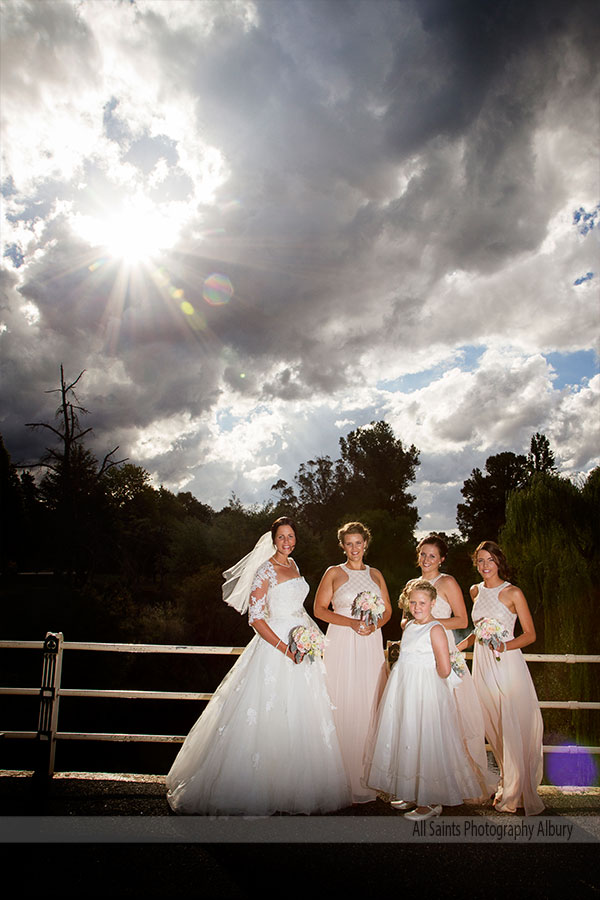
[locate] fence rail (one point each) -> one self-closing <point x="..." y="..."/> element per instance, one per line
<point x="51" y="691"/>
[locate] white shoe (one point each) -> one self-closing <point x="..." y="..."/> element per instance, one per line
<point x="403" y="804"/>
<point x="431" y="812"/>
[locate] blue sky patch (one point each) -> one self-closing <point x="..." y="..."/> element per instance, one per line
<point x="465" y="359"/>
<point x="573" y="368"/>
<point x="585" y="221"/>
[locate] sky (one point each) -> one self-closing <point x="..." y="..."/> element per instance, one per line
<point x="258" y="225"/>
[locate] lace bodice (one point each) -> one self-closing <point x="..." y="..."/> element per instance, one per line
<point x="358" y="580"/>
<point x="441" y="609"/>
<point x="271" y="599"/>
<point x="488" y="606"/>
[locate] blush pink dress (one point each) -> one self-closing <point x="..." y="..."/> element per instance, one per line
<point x="511" y="712"/>
<point x="468" y="709"/>
<point x="356" y="675"/>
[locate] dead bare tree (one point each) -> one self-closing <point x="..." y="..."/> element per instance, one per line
<point x="71" y="434"/>
<point x="72" y="482"/>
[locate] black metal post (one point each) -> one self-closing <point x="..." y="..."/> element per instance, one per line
<point x="49" y="698"/>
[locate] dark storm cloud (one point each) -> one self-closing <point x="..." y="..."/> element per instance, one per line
<point x="478" y="72"/>
<point x="388" y="172"/>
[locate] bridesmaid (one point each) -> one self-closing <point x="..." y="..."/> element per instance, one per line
<point x="450" y="610"/>
<point x="513" y="722"/>
<point x="354" y="658"/>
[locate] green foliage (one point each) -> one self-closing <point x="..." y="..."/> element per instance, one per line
<point x="188" y="547"/>
<point x="373" y="472"/>
<point x="150" y="562"/>
<point x="13" y="514"/>
<point x="157" y="558"/>
<point x="378" y="470"/>
<point x="540" y="457"/>
<point x="125" y="483"/>
<point x="482" y="515"/>
<point x="368" y="483"/>
<point x="551" y="540"/>
<point x="207" y="619"/>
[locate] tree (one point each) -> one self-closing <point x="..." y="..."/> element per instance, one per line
<point x="368" y="483"/>
<point x="11" y="512"/>
<point x="126" y="482"/>
<point x="71" y="487"/>
<point x="482" y="515"/>
<point x="540" y="457"/>
<point x="551" y="540"/>
<point x="373" y="472"/>
<point x="321" y="486"/>
<point x="195" y="508"/>
<point x="377" y="470"/>
<point x="69" y="433"/>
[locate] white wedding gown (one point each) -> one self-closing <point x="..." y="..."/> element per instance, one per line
<point x="266" y="741"/>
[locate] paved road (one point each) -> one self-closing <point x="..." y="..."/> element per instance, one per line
<point x="519" y="869"/>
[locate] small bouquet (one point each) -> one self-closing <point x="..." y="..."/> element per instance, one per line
<point x="369" y="607"/>
<point x="458" y="663"/>
<point x="490" y="632"/>
<point x="306" y="641"/>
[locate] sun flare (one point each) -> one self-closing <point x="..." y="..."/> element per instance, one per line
<point x="135" y="233"/>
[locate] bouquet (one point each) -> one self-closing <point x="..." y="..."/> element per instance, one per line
<point x="458" y="663"/>
<point x="306" y="640"/>
<point x="490" y="632"/>
<point x="369" y="607"/>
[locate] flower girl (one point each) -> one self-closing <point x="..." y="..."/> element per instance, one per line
<point x="417" y="755"/>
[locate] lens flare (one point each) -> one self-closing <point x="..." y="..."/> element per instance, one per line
<point x="96" y="264"/>
<point x="218" y="289"/>
<point x="572" y="765"/>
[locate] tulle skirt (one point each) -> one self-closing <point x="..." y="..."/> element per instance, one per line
<point x="265" y="743"/>
<point x="417" y="752"/>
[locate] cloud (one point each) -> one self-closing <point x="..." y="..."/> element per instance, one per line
<point x="382" y="189"/>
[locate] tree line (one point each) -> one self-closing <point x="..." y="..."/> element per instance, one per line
<point x="156" y="557"/>
<point x="130" y="561"/>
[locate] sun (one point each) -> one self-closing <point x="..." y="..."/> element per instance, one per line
<point x="137" y="234"/>
<point x="134" y="233"/>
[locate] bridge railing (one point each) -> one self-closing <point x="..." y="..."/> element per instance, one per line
<point x="51" y="691"/>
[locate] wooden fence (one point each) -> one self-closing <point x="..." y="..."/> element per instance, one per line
<point x="51" y="691"/>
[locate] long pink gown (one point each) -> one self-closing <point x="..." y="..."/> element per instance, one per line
<point x="511" y="713"/>
<point x="356" y="677"/>
<point x="468" y="708"/>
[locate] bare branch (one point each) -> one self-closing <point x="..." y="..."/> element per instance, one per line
<point x="43" y="425"/>
<point x="108" y="463"/>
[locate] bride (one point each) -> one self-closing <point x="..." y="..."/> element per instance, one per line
<point x="266" y="741"/>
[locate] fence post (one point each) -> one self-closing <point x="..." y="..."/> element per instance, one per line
<point x="49" y="697"/>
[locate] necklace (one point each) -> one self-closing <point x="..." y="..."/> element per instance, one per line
<point x="287" y="565"/>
